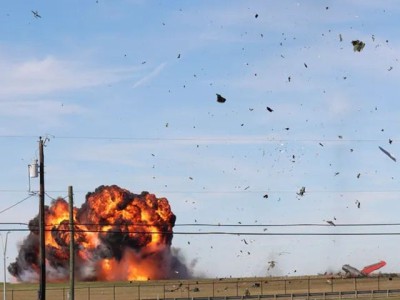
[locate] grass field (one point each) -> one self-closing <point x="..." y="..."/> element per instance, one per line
<point x="224" y="287"/>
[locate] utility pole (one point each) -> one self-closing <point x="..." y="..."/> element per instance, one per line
<point x="4" y="243"/>
<point x="42" y="246"/>
<point x="71" y="245"/>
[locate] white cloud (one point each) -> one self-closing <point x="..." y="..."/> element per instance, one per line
<point x="42" y="76"/>
<point x="31" y="108"/>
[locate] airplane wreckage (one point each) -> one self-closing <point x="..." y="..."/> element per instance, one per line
<point x="354" y="272"/>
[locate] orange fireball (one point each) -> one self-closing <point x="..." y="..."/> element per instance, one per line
<point x="119" y="235"/>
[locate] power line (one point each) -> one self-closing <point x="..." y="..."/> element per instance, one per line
<point x="203" y="139"/>
<point x="19" y="202"/>
<point x="219" y="224"/>
<point x="248" y="191"/>
<point x="215" y="225"/>
<point x="222" y="233"/>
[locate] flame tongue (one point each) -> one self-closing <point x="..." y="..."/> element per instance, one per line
<point x="119" y="235"/>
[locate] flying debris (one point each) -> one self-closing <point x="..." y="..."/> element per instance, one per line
<point x="220" y="99"/>
<point x="340" y="37"/>
<point x="331" y="223"/>
<point x="36" y="14"/>
<point x="269" y="109"/>
<point x="271" y="264"/>
<point x="305" y="65"/>
<point x="358" y="45"/>
<point x="358" y="203"/>
<point x="387" y="153"/>
<point x="265" y="196"/>
<point x="302" y="191"/>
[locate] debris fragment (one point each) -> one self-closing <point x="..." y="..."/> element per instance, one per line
<point x="340" y="37"/>
<point x="331" y="223"/>
<point x="305" y="65"/>
<point x="302" y="191"/>
<point x="265" y="196"/>
<point x="269" y="109"/>
<point x="387" y="153"/>
<point x="358" y="175"/>
<point x="36" y="14"/>
<point x="272" y="264"/>
<point x="358" y="45"/>
<point x="256" y="16"/>
<point x="358" y="203"/>
<point x="220" y="99"/>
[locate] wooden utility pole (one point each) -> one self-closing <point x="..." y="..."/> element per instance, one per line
<point x="42" y="246"/>
<point x="71" y="245"/>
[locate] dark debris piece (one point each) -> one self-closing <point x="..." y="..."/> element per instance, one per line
<point x="358" y="203"/>
<point x="387" y="153"/>
<point x="269" y="109"/>
<point x="220" y="99"/>
<point x="358" y="45"/>
<point x="265" y="196"/>
<point x="302" y="191"/>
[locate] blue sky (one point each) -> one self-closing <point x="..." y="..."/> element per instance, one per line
<point x="126" y="92"/>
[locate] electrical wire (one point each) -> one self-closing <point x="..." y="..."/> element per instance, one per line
<point x="66" y="222"/>
<point x="19" y="202"/>
<point x="248" y="191"/>
<point x="228" y="139"/>
<point x="219" y="232"/>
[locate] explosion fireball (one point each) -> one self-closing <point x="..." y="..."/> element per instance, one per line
<point x="118" y="236"/>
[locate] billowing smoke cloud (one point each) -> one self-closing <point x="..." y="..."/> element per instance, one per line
<point x="118" y="236"/>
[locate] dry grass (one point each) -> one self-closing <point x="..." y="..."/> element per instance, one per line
<point x="203" y="288"/>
